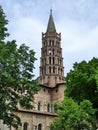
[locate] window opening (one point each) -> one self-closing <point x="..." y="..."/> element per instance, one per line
<point x="25" y="126"/>
<point x="49" y="69"/>
<point x="53" y="51"/>
<point x="52" y="42"/>
<point x="53" y="69"/>
<point x="53" y="60"/>
<point x="40" y="126"/>
<point x="48" y="108"/>
<point x="50" y="60"/>
<point x="39" y="106"/>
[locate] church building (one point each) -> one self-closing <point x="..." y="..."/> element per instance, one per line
<point x="51" y="80"/>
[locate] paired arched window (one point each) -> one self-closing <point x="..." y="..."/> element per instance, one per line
<point x="51" y="42"/>
<point x="49" y="107"/>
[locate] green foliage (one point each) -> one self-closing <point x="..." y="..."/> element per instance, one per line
<point x="3" y="23"/>
<point x="72" y="116"/>
<point x="82" y="82"/>
<point x="96" y="78"/>
<point x="82" y="86"/>
<point x="17" y="85"/>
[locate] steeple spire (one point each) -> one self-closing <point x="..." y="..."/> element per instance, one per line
<point x="51" y="67"/>
<point x="51" y="25"/>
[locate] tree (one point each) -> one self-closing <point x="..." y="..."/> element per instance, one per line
<point x="96" y="78"/>
<point x="17" y="85"/>
<point x="74" y="116"/>
<point x="3" y="23"/>
<point x="81" y="82"/>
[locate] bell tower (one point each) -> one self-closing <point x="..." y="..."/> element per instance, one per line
<point x="51" y="61"/>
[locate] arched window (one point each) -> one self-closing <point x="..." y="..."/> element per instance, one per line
<point x="53" y="60"/>
<point x="53" y="51"/>
<point x="50" y="60"/>
<point x="61" y="71"/>
<point x="56" y="43"/>
<point x="45" y="60"/>
<point x="45" y="52"/>
<point x="25" y="126"/>
<point x="53" y="69"/>
<point x="59" y="53"/>
<point x="39" y="106"/>
<point x="48" y="107"/>
<point x="52" y="42"/>
<point x="42" y="71"/>
<point x="40" y="126"/>
<point x="58" y="61"/>
<point x="49" y="69"/>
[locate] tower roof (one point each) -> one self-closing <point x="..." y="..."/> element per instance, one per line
<point x="51" y="25"/>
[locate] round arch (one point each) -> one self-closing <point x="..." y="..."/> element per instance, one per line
<point x="39" y="126"/>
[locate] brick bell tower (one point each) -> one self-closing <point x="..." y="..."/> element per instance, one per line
<point x="51" y="61"/>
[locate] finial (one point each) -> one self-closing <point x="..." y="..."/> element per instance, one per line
<point x="51" y="11"/>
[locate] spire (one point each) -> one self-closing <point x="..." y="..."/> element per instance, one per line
<point x="51" y="25"/>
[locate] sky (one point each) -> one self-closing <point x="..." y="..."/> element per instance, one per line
<point x="77" y="20"/>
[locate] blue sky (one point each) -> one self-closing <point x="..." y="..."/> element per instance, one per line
<point x="77" y="20"/>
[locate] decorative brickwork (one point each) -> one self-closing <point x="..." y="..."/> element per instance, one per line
<point x="51" y="80"/>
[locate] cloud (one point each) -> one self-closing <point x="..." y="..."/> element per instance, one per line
<point x="76" y="20"/>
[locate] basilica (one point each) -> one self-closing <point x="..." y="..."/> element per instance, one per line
<point x="51" y="79"/>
